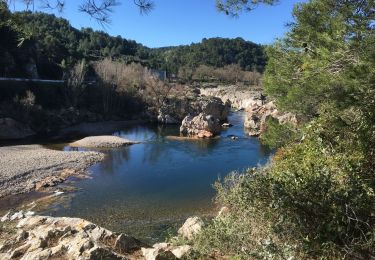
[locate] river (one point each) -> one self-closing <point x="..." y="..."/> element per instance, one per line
<point x="147" y="190"/>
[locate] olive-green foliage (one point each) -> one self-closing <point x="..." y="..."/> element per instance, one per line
<point x="316" y="198"/>
<point x="277" y="135"/>
<point x="320" y="56"/>
<point x="214" y="52"/>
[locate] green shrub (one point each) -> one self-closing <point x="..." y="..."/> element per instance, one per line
<point x="315" y="200"/>
<point x="277" y="135"/>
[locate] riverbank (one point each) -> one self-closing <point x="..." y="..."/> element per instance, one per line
<point x="23" y="167"/>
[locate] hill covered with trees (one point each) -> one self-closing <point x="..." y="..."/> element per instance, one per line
<point x="214" y="52"/>
<point x="43" y="45"/>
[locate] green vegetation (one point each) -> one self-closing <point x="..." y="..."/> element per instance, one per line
<point x="51" y="44"/>
<point x="214" y="52"/>
<point x="315" y="200"/>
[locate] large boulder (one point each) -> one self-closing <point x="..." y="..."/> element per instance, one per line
<point x="215" y="107"/>
<point x="202" y="126"/>
<point x="174" y="110"/>
<point x="12" y="129"/>
<point x="42" y="237"/>
<point x="191" y="227"/>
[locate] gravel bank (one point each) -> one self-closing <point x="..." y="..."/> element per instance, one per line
<point x="104" y="141"/>
<point x="22" y="166"/>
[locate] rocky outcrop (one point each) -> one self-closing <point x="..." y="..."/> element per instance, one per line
<point x="239" y="98"/>
<point x="176" y="109"/>
<point x="12" y="129"/>
<point x="255" y="121"/>
<point x="213" y="106"/>
<point x="41" y="237"/>
<point x="104" y="141"/>
<point x="27" y="236"/>
<point x="257" y="106"/>
<point x="202" y="126"/>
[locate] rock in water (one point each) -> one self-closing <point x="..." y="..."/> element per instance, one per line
<point x="215" y="107"/>
<point x="174" y="110"/>
<point x="12" y="129"/>
<point x="201" y="126"/>
<point x="191" y="227"/>
<point x="104" y="141"/>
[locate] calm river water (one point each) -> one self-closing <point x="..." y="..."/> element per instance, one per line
<point x="147" y="190"/>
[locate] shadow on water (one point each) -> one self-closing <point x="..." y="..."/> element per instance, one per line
<point x="146" y="189"/>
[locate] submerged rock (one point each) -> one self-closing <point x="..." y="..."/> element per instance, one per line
<point x="40" y="237"/>
<point x="202" y="126"/>
<point x="226" y="125"/>
<point x="104" y="141"/>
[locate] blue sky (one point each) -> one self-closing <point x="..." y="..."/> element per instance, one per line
<point x="176" y="22"/>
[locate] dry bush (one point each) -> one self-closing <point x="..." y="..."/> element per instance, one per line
<point x="204" y="72"/>
<point x="118" y="82"/>
<point x="232" y="73"/>
<point x="252" y="78"/>
<point x="74" y="84"/>
<point x="185" y="73"/>
<point x="156" y="92"/>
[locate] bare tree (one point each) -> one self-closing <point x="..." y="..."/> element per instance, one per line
<point x="156" y="92"/>
<point x="116" y="80"/>
<point x="74" y="83"/>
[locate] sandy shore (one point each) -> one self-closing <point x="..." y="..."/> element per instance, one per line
<point x="103" y="141"/>
<point x="21" y="167"/>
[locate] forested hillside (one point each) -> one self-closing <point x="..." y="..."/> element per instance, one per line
<point x="43" y="45"/>
<point x="214" y="52"/>
<point x="52" y="44"/>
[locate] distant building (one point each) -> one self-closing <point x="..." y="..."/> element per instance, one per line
<point x="159" y="74"/>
